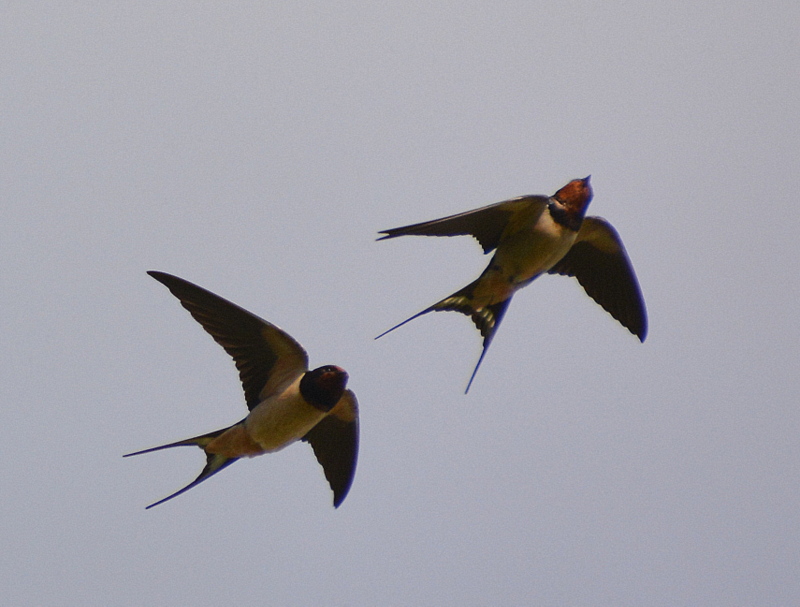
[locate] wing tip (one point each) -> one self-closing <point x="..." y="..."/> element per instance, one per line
<point x="339" y="498"/>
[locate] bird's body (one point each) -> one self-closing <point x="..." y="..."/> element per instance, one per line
<point x="287" y="402"/>
<point x="529" y="246"/>
<point x="282" y="419"/>
<point x="533" y="235"/>
<point x="273" y="424"/>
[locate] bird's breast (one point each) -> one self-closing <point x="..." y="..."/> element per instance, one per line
<point x="281" y="420"/>
<point x="531" y="250"/>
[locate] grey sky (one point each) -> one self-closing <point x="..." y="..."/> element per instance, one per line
<point x="256" y="149"/>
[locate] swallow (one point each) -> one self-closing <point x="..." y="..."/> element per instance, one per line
<point x="287" y="402"/>
<point x="533" y="235"/>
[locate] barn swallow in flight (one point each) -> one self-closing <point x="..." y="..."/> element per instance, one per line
<point x="287" y="402"/>
<point x="532" y="235"/>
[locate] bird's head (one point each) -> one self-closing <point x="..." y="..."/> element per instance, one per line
<point x="323" y="387"/>
<point x="575" y="196"/>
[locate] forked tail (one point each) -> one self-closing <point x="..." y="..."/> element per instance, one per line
<point x="214" y="461"/>
<point x="487" y="319"/>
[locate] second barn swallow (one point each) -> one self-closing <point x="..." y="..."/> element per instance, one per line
<point x="287" y="402"/>
<point x="533" y="235"/>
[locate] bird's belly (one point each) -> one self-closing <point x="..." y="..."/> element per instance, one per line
<point x="525" y="257"/>
<point x="234" y="442"/>
<point x="278" y="423"/>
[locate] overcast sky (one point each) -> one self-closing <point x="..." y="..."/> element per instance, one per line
<point x="257" y="149"/>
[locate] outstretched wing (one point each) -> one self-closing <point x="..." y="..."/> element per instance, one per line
<point x="335" y="443"/>
<point x="266" y="356"/>
<point x="485" y="224"/>
<point x="599" y="261"/>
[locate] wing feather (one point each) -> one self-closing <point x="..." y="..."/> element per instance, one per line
<point x="266" y="356"/>
<point x="486" y="224"/>
<point x="599" y="262"/>
<point x="335" y="443"/>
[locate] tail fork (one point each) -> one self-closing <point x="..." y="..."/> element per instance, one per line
<point x="214" y="461"/>
<point x="487" y="319"/>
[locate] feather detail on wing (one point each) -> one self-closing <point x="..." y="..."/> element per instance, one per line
<point x="335" y="443"/>
<point x="599" y="262"/>
<point x="486" y="224"/>
<point x="266" y="356"/>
